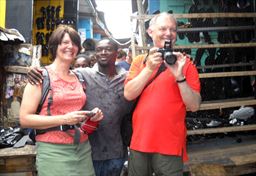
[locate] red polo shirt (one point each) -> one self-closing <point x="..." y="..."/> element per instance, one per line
<point x="159" y="118"/>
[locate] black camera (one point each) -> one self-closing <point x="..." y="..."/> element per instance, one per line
<point x="167" y="53"/>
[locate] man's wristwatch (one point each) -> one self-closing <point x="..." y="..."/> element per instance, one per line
<point x="181" y="81"/>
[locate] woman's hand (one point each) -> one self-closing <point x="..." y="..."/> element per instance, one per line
<point x="74" y="117"/>
<point x="98" y="115"/>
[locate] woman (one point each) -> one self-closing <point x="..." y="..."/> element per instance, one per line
<point x="56" y="153"/>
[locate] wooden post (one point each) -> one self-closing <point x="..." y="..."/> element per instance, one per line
<point x="142" y="30"/>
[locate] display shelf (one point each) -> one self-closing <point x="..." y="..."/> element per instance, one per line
<point x="197" y="46"/>
<point x="227" y="103"/>
<point x="211" y="29"/>
<point x="226" y="65"/>
<point x="227" y="74"/>
<point x="201" y="15"/>
<point x="222" y="130"/>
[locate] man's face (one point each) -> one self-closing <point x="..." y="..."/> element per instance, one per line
<point x="81" y="62"/>
<point x="105" y="53"/>
<point x="164" y="29"/>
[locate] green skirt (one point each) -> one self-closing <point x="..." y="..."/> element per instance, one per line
<point x="64" y="159"/>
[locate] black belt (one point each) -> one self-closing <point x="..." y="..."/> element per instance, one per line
<point x="63" y="128"/>
<point x="57" y="128"/>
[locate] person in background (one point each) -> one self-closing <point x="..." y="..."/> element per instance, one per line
<point x="158" y="142"/>
<point x="88" y="45"/>
<point x="82" y="60"/>
<point x="104" y="89"/>
<point x="127" y="62"/>
<point x="89" y="49"/>
<point x="57" y="154"/>
<point x="92" y="57"/>
<point x="121" y="56"/>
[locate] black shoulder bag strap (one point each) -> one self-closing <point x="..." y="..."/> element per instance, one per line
<point x="45" y="89"/>
<point x="160" y="70"/>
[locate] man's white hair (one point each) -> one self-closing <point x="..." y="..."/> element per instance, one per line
<point x="154" y="19"/>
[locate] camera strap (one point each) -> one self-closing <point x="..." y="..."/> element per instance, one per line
<point x="161" y="68"/>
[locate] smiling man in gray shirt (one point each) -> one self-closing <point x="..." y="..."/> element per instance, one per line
<point x="104" y="88"/>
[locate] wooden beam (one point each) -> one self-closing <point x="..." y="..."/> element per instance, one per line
<point x="227" y="74"/>
<point x="216" y="15"/>
<point x="201" y="15"/>
<point x="226" y="152"/>
<point x="16" y="69"/>
<point x="28" y="150"/>
<point x="218" y="45"/>
<point x="142" y="30"/>
<point x="222" y="130"/>
<point x="226" y="65"/>
<point x="211" y="29"/>
<point x="241" y="169"/>
<point x="227" y="103"/>
<point x="245" y="159"/>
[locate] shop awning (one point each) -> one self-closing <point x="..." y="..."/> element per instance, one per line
<point x="11" y="35"/>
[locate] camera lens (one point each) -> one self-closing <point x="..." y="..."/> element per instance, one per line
<point x="170" y="58"/>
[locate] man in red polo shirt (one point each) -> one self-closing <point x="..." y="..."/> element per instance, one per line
<point x="158" y="142"/>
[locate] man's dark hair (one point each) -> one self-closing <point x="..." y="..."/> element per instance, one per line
<point x="89" y="45"/>
<point x="121" y="53"/>
<point x="84" y="55"/>
<point x="111" y="41"/>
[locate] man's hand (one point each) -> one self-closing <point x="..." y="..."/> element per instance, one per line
<point x="98" y="114"/>
<point x="177" y="68"/>
<point x="154" y="59"/>
<point x="35" y="75"/>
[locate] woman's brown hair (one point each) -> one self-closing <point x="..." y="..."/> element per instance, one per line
<point x="57" y="36"/>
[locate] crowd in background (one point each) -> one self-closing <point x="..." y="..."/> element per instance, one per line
<point x="86" y="57"/>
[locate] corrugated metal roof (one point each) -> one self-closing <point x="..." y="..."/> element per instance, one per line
<point x="11" y="35"/>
